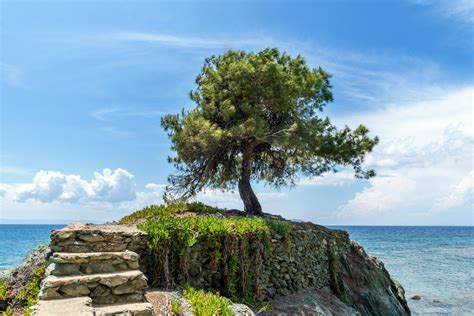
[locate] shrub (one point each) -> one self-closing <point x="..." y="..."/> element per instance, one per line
<point x="207" y="303"/>
<point x="167" y="210"/>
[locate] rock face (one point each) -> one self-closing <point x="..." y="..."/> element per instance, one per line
<point x="94" y="271"/>
<point x="311" y="302"/>
<point x="365" y="283"/>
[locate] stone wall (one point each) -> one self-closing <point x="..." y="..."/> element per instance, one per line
<point x="301" y="260"/>
<point x="311" y="256"/>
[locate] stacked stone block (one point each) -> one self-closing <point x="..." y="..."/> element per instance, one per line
<point x="96" y="268"/>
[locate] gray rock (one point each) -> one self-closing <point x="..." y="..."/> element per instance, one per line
<point x="241" y="310"/>
<point x="74" y="289"/>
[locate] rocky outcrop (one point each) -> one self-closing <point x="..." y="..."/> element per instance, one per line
<point x="317" y="258"/>
<point x="364" y="283"/>
<point x="95" y="271"/>
<point x="310" y="301"/>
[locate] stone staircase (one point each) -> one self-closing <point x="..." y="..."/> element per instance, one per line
<point x="95" y="271"/>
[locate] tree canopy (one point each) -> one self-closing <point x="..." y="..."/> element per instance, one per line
<point x="258" y="118"/>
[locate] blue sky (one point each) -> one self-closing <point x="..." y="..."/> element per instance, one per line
<point x="84" y="84"/>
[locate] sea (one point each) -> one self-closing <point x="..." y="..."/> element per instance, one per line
<point x="434" y="263"/>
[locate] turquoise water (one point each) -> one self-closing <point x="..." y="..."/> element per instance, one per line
<point x="436" y="263"/>
<point x="16" y="241"/>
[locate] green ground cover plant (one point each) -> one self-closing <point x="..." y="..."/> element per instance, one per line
<point x="3" y="289"/>
<point x="167" y="210"/>
<point x="207" y="303"/>
<point x="235" y="244"/>
<point x="29" y="295"/>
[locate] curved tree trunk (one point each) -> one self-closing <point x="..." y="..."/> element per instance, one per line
<point x="251" y="204"/>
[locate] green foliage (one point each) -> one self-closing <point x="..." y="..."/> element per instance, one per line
<point x="257" y="118"/>
<point x="282" y="228"/>
<point x="189" y="228"/>
<point x="29" y="295"/>
<point x="207" y="303"/>
<point x="167" y="210"/>
<point x="3" y="289"/>
<point x="8" y="311"/>
<point x="175" y="307"/>
<point x="237" y="244"/>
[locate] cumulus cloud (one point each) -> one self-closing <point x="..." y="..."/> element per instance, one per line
<point x="109" y="195"/>
<point x="48" y="186"/>
<point x="425" y="149"/>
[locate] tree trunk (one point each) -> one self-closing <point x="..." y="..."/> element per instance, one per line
<point x="251" y="204"/>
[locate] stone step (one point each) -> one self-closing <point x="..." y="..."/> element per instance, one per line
<point x="129" y="309"/>
<point x="65" y="263"/>
<point x="98" y="238"/>
<point x="82" y="306"/>
<point x="77" y="306"/>
<point x="103" y="288"/>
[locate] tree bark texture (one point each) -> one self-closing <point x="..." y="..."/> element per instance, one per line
<point x="251" y="204"/>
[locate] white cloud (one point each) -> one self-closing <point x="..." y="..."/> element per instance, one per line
<point x="425" y="148"/>
<point x="340" y="178"/>
<point x="459" y="193"/>
<point x="51" y="186"/>
<point x="108" y="196"/>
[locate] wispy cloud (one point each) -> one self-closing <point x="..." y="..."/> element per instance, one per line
<point x="366" y="77"/>
<point x="460" y="10"/>
<point x="112" y="130"/>
<point x="179" y="41"/>
<point x="109" y="114"/>
<point x="12" y="170"/>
